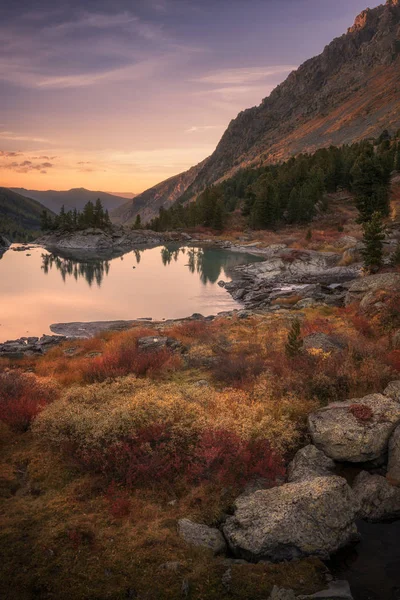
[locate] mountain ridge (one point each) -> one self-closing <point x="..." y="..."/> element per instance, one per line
<point x="347" y="93"/>
<point x="73" y="198"/>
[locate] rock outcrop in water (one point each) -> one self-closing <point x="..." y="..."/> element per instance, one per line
<point x="110" y="239"/>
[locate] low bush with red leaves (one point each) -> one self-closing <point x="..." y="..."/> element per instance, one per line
<point x="160" y="453"/>
<point x="239" y="368"/>
<point x="22" y="397"/>
<point x="224" y="457"/>
<point x="361" y="412"/>
<point x="119" y="503"/>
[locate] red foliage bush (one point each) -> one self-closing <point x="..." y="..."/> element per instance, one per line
<point x="22" y="397"/>
<point x="362" y="325"/>
<point x="393" y="359"/>
<point x="222" y="456"/>
<point x="193" y="329"/>
<point x="239" y="368"/>
<point x="159" y="453"/>
<point x="153" y="453"/>
<point x="361" y="412"/>
<point x="119" y="502"/>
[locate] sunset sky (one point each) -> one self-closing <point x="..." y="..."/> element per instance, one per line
<point x="118" y="95"/>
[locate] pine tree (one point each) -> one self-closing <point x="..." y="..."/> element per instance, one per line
<point x="294" y="206"/>
<point x="138" y="222"/>
<point x="370" y="186"/>
<point x="98" y="214"/>
<point x="44" y="221"/>
<point x="374" y="235"/>
<point x="218" y="220"/>
<point x="294" y="342"/>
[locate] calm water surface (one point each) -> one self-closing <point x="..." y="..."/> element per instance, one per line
<point x="162" y="282"/>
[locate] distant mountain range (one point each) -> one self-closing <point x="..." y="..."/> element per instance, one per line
<point x="19" y="216"/>
<point x="75" y="198"/>
<point x="349" y="92"/>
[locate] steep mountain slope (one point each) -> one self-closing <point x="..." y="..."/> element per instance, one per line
<point x="18" y="215"/>
<point x="75" y="198"/>
<point x="349" y="92"/>
<point x="149" y="202"/>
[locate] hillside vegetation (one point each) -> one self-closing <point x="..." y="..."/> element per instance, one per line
<point x="294" y="192"/>
<point x="20" y="217"/>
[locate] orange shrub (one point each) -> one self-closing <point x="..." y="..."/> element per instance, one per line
<point x="123" y="357"/>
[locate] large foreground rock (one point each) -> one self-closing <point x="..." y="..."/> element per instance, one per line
<point x="356" y="430"/>
<point x="393" y="473"/>
<point x="393" y="390"/>
<point x="378" y="500"/>
<point x="197" y="534"/>
<point x="281" y="594"/>
<point x="308" y="464"/>
<point x="297" y="519"/>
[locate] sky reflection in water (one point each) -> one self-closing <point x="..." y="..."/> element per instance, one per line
<point x="162" y="282"/>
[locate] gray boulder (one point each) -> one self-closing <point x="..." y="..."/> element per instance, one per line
<point x="151" y="343"/>
<point x="338" y="590"/>
<point x="322" y="341"/>
<point x="197" y="534"/>
<point x="393" y="390"/>
<point x="363" y="290"/>
<point x="309" y="463"/>
<point x="356" y="430"/>
<point x="313" y="517"/>
<point x="393" y="473"/>
<point x="378" y="500"/>
<point x="281" y="594"/>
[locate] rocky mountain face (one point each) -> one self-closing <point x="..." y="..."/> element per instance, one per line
<point x="163" y="194"/>
<point x="349" y="92"/>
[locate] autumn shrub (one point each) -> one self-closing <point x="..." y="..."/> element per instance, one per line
<point x="238" y="368"/>
<point x="136" y="432"/>
<point x="393" y="359"/>
<point x="224" y="457"/>
<point x="119" y="503"/>
<point x="124" y="357"/>
<point x="190" y="330"/>
<point x="363" y="325"/>
<point x="327" y="388"/>
<point x="22" y="397"/>
<point x="361" y="412"/>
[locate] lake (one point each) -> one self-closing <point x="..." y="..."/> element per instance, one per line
<point x="39" y="287"/>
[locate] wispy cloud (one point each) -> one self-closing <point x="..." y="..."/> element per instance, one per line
<point x="26" y="166"/>
<point x="201" y="128"/>
<point x="240" y="76"/>
<point x="10" y="135"/>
